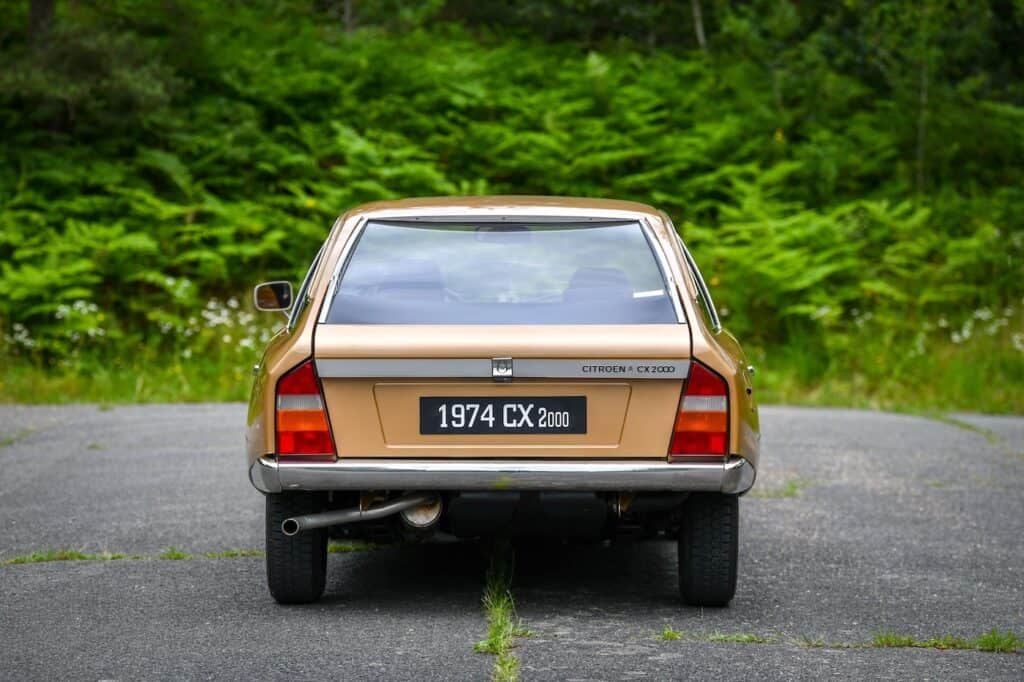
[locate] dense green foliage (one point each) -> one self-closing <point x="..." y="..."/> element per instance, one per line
<point x="849" y="175"/>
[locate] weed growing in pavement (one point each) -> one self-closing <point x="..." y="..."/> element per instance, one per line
<point x="811" y="642"/>
<point x="334" y="547"/>
<point x="993" y="640"/>
<point x="1001" y="642"/>
<point x="892" y="639"/>
<point x="174" y="554"/>
<point x="739" y="638"/>
<point x="939" y="484"/>
<point x="791" y="488"/>
<point x="990" y="436"/>
<point x="670" y="635"/>
<point x="502" y="624"/>
<point x="233" y="553"/>
<point x="945" y="642"/>
<point x="61" y="555"/>
<point x="10" y="440"/>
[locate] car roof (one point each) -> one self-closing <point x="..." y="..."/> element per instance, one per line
<point x="510" y="204"/>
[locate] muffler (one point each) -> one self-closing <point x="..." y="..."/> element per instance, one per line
<point x="297" y="524"/>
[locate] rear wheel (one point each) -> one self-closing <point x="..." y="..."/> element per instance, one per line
<point x="708" y="543"/>
<point x="296" y="565"/>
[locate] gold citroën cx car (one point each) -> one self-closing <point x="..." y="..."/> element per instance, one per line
<point x="501" y="366"/>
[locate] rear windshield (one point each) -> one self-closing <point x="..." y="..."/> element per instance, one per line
<point x="488" y="273"/>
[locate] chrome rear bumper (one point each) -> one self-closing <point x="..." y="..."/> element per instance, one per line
<point x="735" y="475"/>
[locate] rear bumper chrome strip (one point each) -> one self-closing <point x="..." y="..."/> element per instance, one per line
<point x="734" y="475"/>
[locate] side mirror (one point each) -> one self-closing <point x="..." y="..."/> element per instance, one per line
<point x="273" y="296"/>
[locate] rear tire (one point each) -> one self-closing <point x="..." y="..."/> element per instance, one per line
<point x="296" y="565"/>
<point x="708" y="544"/>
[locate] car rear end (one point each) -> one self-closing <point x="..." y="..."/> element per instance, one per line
<point x="510" y="370"/>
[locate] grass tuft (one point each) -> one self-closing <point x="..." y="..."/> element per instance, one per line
<point x="811" y="642"/>
<point x="1002" y="642"/>
<point x="791" y="488"/>
<point x="739" y="638"/>
<point x="945" y="642"/>
<point x="893" y="640"/>
<point x="174" y="554"/>
<point x="334" y="547"/>
<point x="233" y="553"/>
<point x="61" y="555"/>
<point x="502" y="624"/>
<point x="506" y="669"/>
<point x="670" y="635"/>
<point x="990" y="436"/>
<point x="7" y="441"/>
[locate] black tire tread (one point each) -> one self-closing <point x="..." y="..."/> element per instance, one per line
<point x="297" y="565"/>
<point x="708" y="549"/>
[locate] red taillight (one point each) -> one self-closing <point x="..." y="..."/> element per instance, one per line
<point x="702" y="422"/>
<point x="302" y="428"/>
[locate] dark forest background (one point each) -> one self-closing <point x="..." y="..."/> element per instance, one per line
<point x="849" y="174"/>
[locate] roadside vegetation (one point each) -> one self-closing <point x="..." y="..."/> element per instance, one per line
<point x="848" y="174"/>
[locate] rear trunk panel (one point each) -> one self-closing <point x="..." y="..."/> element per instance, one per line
<point x="378" y="416"/>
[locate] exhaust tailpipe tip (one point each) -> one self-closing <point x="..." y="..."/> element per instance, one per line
<point x="290" y="527"/>
<point x="424" y="516"/>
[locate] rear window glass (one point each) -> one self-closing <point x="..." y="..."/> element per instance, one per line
<point x="491" y="273"/>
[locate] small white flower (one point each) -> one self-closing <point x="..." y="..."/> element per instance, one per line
<point x="919" y="344"/>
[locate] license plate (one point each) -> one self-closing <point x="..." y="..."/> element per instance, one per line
<point x="562" y="414"/>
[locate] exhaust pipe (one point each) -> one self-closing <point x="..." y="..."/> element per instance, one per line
<point x="297" y="524"/>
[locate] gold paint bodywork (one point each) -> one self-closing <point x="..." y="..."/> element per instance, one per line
<point x="627" y="419"/>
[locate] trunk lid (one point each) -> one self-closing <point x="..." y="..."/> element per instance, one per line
<point x="381" y="382"/>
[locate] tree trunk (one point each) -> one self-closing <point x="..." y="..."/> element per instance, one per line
<point x="40" y="19"/>
<point x="922" y="126"/>
<point x="698" y="25"/>
<point x="348" y="17"/>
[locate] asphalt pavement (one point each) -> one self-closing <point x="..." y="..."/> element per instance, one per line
<point x="860" y="523"/>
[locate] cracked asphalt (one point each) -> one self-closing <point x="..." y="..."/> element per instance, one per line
<point x="861" y="522"/>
